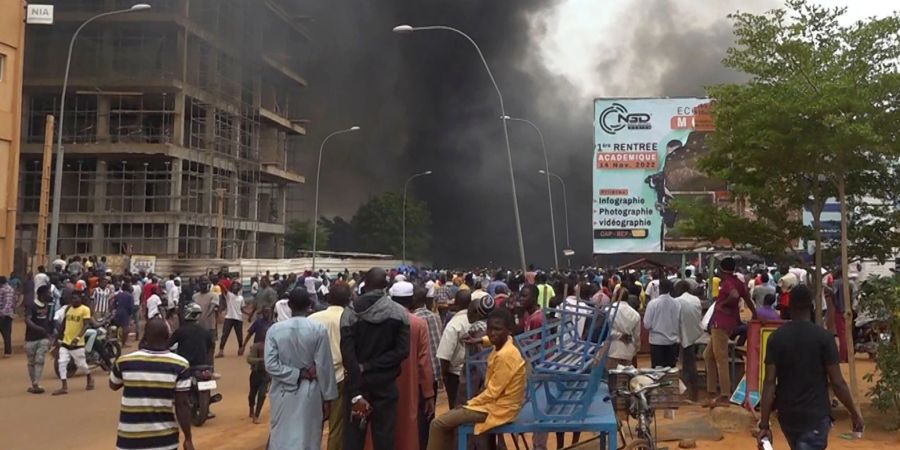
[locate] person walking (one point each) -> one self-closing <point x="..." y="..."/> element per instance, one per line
<point x="332" y="319"/>
<point x="374" y="344"/>
<point x="39" y="331"/>
<point x="433" y="324"/>
<point x="259" y="378"/>
<point x="155" y="386"/>
<point x="802" y="362"/>
<point x="298" y="358"/>
<point x="725" y="320"/>
<point x="7" y="314"/>
<point x="76" y="323"/>
<point x="663" y="319"/>
<point x="209" y="315"/>
<point x="234" y="319"/>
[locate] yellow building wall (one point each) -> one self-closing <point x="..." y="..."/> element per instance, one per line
<point x="12" y="40"/>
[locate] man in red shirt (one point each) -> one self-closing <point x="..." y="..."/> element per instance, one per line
<point x="725" y="319"/>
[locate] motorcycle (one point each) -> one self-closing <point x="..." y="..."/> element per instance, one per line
<point x="104" y="352"/>
<point x="867" y="335"/>
<point x="202" y="385"/>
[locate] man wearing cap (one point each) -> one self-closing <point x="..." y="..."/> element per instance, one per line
<point x="416" y="381"/>
<point x="725" y="319"/>
<point x="76" y="323"/>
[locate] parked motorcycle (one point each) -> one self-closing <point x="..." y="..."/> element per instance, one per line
<point x="103" y="354"/>
<point x="202" y="385"/>
<point x="867" y="335"/>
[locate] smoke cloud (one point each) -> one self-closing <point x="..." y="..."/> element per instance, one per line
<point x="424" y="102"/>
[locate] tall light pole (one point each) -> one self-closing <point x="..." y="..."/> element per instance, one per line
<point x="565" y="209"/>
<point x="318" y="176"/>
<point x="405" y="186"/>
<point x="549" y="191"/>
<point x="406" y="29"/>
<point x="60" y="153"/>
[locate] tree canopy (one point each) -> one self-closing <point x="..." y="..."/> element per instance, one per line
<point x="818" y="114"/>
<point x="378" y="226"/>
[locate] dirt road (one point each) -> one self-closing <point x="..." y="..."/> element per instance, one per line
<point x="87" y="420"/>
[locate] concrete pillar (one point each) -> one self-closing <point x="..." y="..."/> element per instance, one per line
<point x="103" y="108"/>
<point x="177" y="174"/>
<point x="172" y="236"/>
<point x="99" y="188"/>
<point x="180" y="114"/>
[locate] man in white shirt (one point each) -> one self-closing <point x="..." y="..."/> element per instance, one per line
<point x="41" y="278"/>
<point x="451" y="351"/>
<point x="663" y="319"/>
<point x="653" y="286"/>
<point x="691" y="331"/>
<point x="282" y="310"/>
<point x="625" y="335"/>
<point x="234" y="319"/>
<point x="154" y="304"/>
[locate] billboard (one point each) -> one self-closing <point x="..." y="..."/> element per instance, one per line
<point x="645" y="153"/>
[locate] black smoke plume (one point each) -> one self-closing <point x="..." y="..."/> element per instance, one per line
<point x="424" y="102"/>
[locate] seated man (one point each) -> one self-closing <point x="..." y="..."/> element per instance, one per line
<point x="504" y="391"/>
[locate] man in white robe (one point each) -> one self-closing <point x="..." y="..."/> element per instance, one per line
<point x="298" y="358"/>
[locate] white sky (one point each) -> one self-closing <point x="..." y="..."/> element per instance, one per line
<point x="581" y="32"/>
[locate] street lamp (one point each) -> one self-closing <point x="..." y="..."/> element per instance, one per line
<point x="405" y="186"/>
<point x="318" y="176"/>
<point x="406" y="29"/>
<point x="60" y="153"/>
<point x="549" y="191"/>
<point x="565" y="211"/>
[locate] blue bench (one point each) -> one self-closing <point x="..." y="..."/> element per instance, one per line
<point x="600" y="419"/>
<point x="566" y="391"/>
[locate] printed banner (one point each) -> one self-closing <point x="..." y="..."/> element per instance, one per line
<point x="645" y="151"/>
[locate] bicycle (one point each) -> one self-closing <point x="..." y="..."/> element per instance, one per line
<point x="639" y="407"/>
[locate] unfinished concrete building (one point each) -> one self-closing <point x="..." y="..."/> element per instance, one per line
<point x="179" y="122"/>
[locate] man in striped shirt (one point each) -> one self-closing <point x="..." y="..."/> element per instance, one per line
<point x="101" y="297"/>
<point x="156" y="386"/>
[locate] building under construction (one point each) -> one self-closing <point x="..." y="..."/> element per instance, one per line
<point x="179" y="123"/>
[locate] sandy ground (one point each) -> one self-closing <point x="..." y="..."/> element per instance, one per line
<point x="87" y="420"/>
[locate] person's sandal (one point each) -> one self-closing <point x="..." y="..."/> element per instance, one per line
<point x="60" y="392"/>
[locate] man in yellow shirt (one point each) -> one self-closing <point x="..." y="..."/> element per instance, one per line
<point x="504" y="393"/>
<point x="78" y="319"/>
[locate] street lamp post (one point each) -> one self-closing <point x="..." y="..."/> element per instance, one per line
<point x="405" y="29"/>
<point x="565" y="209"/>
<point x="549" y="191"/>
<point x="405" y="186"/>
<point x="60" y="153"/>
<point x="318" y="176"/>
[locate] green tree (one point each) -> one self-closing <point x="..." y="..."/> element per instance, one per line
<point x="378" y="225"/>
<point x="298" y="236"/>
<point x="817" y="119"/>
<point x="880" y="297"/>
<point x="341" y="236"/>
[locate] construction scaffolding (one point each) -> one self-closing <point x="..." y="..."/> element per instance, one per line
<point x="177" y="130"/>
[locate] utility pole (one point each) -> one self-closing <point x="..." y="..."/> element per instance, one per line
<point x="220" y="230"/>
<point x="40" y="251"/>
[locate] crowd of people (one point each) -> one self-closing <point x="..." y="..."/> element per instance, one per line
<point x="370" y="352"/>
